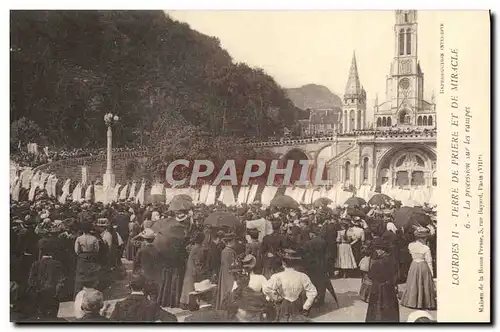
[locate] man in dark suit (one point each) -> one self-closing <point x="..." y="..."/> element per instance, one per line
<point x="137" y="307"/>
<point x="148" y="262"/>
<point x="316" y="266"/>
<point x="203" y="293"/>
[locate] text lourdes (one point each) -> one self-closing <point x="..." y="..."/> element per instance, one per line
<point x="455" y="162"/>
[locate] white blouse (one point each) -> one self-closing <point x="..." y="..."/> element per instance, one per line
<point x="288" y="285"/>
<point x="420" y="253"/>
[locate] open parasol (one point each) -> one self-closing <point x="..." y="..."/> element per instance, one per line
<point x="157" y="198"/>
<point x="406" y="217"/>
<point x="379" y="200"/>
<point x="284" y="201"/>
<point x="180" y="204"/>
<point x="355" y="202"/>
<point x="218" y="219"/>
<point x="182" y="196"/>
<point x="322" y="201"/>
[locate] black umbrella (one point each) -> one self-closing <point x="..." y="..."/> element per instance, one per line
<point x="284" y="201"/>
<point x="218" y="219"/>
<point x="379" y="200"/>
<point x="355" y="202"/>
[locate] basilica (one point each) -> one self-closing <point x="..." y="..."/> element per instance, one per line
<point x="398" y="151"/>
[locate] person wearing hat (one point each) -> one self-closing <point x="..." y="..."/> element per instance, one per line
<point x="195" y="268"/>
<point x="383" y="303"/>
<point x="92" y="303"/>
<point x="345" y="258"/>
<point x="420" y="316"/>
<point x="137" y="307"/>
<point x="357" y="234"/>
<point x="45" y="282"/>
<point x="226" y="278"/>
<point x="271" y="245"/>
<point x="112" y="241"/>
<point x="285" y="288"/>
<point x="147" y="262"/>
<point x="203" y="294"/>
<point x="256" y="281"/>
<point x="88" y="264"/>
<point x="248" y="306"/>
<point x="420" y="290"/>
<point x="253" y="247"/>
<point x="134" y="228"/>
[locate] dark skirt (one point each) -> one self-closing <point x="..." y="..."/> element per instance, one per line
<point x="287" y="311"/>
<point x="130" y="249"/>
<point x="88" y="269"/>
<point x="170" y="290"/>
<point x="356" y="251"/>
<point x="364" y="291"/>
<point x="383" y="303"/>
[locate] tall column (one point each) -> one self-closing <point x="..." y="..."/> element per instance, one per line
<point x="109" y="165"/>
<point x="109" y="177"/>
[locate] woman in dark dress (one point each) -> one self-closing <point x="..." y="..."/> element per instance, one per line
<point x="383" y="303"/>
<point x="89" y="262"/>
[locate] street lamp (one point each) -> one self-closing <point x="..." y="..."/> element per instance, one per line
<point x="109" y="177"/>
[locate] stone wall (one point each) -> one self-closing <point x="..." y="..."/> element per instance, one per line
<point x="126" y="166"/>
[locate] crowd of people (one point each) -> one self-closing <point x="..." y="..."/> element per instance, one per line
<point x="246" y="263"/>
<point x="46" y="155"/>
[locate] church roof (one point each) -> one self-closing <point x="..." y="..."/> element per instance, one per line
<point x="353" y="86"/>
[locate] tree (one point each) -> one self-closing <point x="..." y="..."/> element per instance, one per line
<point x="24" y="131"/>
<point x="69" y="68"/>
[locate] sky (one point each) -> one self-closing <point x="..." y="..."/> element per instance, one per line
<point x="302" y="47"/>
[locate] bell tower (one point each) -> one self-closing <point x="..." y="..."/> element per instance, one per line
<point x="404" y="103"/>
<point x="354" y="103"/>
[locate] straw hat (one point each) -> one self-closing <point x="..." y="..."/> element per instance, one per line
<point x="203" y="287"/>
<point x="102" y="222"/>
<point x="147" y="233"/>
<point x="419" y="314"/>
<point x="249" y="261"/>
<point x="291" y="254"/>
<point x="422" y="232"/>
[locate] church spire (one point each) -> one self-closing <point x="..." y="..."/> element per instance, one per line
<point x="353" y="86"/>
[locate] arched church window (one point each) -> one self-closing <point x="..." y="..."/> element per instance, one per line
<point x="347" y="171"/>
<point x="407" y="119"/>
<point x="425" y="120"/>
<point x="434" y="182"/>
<point x="402" y="42"/>
<point x="419" y="161"/>
<point x="419" y="121"/>
<point x="406" y="17"/>
<point x="408" y="41"/>
<point x="365" y="168"/>
<point x="429" y="122"/>
<point x="384" y="122"/>
<point x="389" y="122"/>
<point x="417" y="178"/>
<point x="379" y="122"/>
<point x="402" y="117"/>
<point x="358" y="120"/>
<point x="351" y="120"/>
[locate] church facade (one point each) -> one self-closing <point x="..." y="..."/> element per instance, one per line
<point x="400" y="148"/>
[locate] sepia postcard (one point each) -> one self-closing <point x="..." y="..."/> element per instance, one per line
<point x="250" y="166"/>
